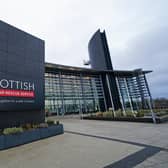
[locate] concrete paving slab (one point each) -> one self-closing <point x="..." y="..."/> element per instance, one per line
<point x="95" y="144"/>
<point x="145" y="133"/>
<point x="66" y="151"/>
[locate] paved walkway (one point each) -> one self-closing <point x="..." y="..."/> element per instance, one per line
<point x="94" y="144"/>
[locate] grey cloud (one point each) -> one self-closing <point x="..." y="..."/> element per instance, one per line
<point x="149" y="51"/>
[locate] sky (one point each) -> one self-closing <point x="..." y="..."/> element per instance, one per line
<point x="137" y="32"/>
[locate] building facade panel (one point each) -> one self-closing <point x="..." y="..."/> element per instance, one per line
<point x="21" y="77"/>
<point x="73" y="93"/>
<point x="100" y="59"/>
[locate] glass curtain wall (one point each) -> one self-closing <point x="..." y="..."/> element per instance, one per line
<point x="53" y="96"/>
<point x="134" y="93"/>
<point x="72" y="93"/>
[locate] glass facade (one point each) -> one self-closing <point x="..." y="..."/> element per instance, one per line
<point x="72" y="90"/>
<point x="70" y="93"/>
<point x="134" y="93"/>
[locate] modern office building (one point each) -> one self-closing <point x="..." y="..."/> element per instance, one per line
<point x="83" y="90"/>
<point x="67" y="89"/>
<point x="80" y="90"/>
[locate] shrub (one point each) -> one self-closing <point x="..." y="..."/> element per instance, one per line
<point x="140" y="114"/>
<point x="161" y="113"/>
<point x="129" y="114"/>
<point x="99" y="114"/>
<point x="27" y="126"/>
<point x="35" y="126"/>
<point x="43" y="125"/>
<point x="1" y="131"/>
<point x="119" y="113"/>
<point x="108" y="114"/>
<point x="14" y="130"/>
<point x="50" y="122"/>
<point x="91" y="115"/>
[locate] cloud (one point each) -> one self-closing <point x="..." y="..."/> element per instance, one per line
<point x="148" y="50"/>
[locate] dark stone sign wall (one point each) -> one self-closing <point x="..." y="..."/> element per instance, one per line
<point x="21" y="77"/>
